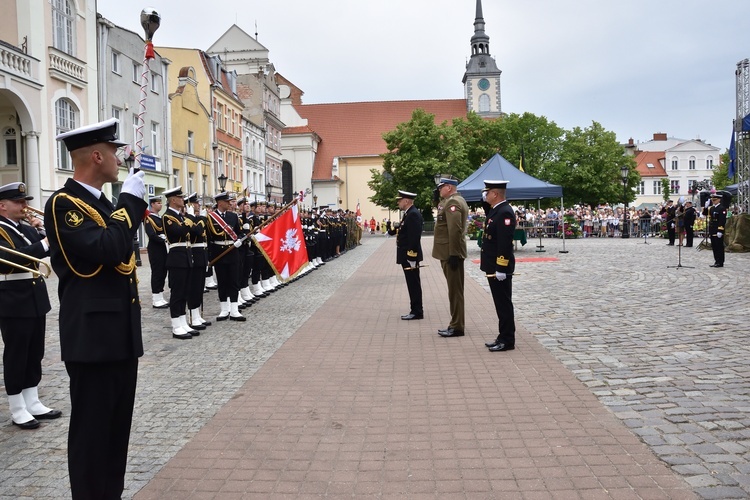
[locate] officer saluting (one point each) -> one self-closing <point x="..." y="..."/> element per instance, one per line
<point x="91" y="249"/>
<point x="717" y="219"/>
<point x="409" y="251"/>
<point x="24" y="304"/>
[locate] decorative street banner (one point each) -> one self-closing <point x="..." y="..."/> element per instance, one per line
<point x="282" y="243"/>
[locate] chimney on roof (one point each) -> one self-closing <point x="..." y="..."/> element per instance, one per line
<point x="630" y="141"/>
<point x="660" y="136"/>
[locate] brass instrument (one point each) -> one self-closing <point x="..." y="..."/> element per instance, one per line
<point x="34" y="212"/>
<point x="35" y="272"/>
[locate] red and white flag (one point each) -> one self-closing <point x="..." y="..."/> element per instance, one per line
<point x="358" y="212"/>
<point x="282" y="243"/>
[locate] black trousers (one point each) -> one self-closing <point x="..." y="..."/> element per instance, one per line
<point x="414" y="285"/>
<point x="688" y="236"/>
<point x="179" y="278"/>
<point x="101" y="397"/>
<point x="502" y="296"/>
<point x="717" y="246"/>
<point x="157" y="257"/>
<point x="226" y="275"/>
<point x="257" y="263"/>
<point x="23" y="353"/>
<point x="671" y="232"/>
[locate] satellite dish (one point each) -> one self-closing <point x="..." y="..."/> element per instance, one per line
<point x="284" y="91"/>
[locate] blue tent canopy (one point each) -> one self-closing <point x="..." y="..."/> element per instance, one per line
<point x="521" y="186"/>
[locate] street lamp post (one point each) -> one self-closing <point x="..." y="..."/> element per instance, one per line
<point x="624" y="171"/>
<point x="315" y="201"/>
<point x="129" y="162"/>
<point x="269" y="189"/>
<point x="222" y="182"/>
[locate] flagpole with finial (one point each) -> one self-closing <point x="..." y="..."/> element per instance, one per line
<point x="150" y="20"/>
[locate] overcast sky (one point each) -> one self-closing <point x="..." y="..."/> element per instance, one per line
<point x="635" y="66"/>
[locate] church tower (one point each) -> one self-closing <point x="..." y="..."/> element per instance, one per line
<point x="482" y="78"/>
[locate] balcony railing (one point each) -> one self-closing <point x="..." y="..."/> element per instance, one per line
<point x="15" y="62"/>
<point x="66" y="67"/>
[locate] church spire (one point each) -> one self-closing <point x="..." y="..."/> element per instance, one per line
<point x="482" y="78"/>
<point x="480" y="42"/>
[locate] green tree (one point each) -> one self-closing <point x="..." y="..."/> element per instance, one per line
<point x="589" y="167"/>
<point x="666" y="191"/>
<point x="417" y="151"/>
<point x="720" y="178"/>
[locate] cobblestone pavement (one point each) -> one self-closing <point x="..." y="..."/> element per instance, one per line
<point x="663" y="348"/>
<point x="177" y="380"/>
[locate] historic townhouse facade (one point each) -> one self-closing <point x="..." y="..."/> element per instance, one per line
<point x="257" y="88"/>
<point x="192" y="151"/>
<point x="120" y="71"/>
<point x="682" y="162"/>
<point x="217" y="88"/>
<point x="48" y="84"/>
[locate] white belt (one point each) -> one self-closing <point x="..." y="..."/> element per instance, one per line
<point x="198" y="245"/>
<point x="16" y="276"/>
<point x="223" y="243"/>
<point x="175" y="245"/>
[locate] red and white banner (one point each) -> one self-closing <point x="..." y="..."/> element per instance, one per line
<point x="282" y="243"/>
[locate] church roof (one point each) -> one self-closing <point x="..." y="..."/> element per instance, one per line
<point x="356" y="129"/>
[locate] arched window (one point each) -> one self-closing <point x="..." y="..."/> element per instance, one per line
<point x="63" y="26"/>
<point x="10" y="143"/>
<point x="65" y="120"/>
<point x="484" y="103"/>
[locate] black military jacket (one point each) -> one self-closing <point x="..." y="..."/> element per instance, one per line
<point x="91" y="250"/>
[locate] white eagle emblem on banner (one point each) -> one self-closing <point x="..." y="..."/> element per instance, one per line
<point x="290" y="243"/>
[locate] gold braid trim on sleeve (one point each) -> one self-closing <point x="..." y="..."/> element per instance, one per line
<point x="122" y="268"/>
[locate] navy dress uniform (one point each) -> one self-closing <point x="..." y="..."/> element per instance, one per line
<point x="199" y="252"/>
<point x="24" y="305"/>
<point x="409" y="251"/>
<point x="224" y="235"/>
<point x="157" y="252"/>
<point x="91" y="251"/>
<point x="717" y="219"/>
<point x="179" y="263"/>
<point x="498" y="262"/>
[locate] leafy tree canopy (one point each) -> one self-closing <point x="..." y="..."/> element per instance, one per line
<point x="586" y="162"/>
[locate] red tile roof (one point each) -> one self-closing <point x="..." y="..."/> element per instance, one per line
<point x="356" y="128"/>
<point x="643" y="158"/>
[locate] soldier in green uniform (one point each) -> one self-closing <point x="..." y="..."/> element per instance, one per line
<point x="449" y="248"/>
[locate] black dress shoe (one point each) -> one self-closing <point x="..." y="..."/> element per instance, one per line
<point x="716" y="265"/>
<point x="198" y="326"/>
<point x="450" y="332"/>
<point x="161" y="307"/>
<point x="237" y="318"/>
<point x="50" y="415"/>
<point x="411" y="316"/>
<point x="206" y="323"/>
<point x="222" y="318"/>
<point x="182" y="336"/>
<point x="31" y="424"/>
<point x="491" y="344"/>
<point x="501" y="347"/>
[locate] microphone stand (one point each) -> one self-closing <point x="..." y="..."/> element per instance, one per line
<point x="679" y="247"/>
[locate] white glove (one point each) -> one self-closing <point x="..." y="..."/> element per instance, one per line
<point x="708" y="203"/>
<point x="190" y="210"/>
<point x="204" y="212"/>
<point x="412" y="263"/>
<point x="719" y="234"/>
<point x="163" y="237"/>
<point x="671" y="225"/>
<point x="237" y="244"/>
<point x="396" y="225"/>
<point x="134" y="185"/>
<point x="500" y="276"/>
<point x="246" y="226"/>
